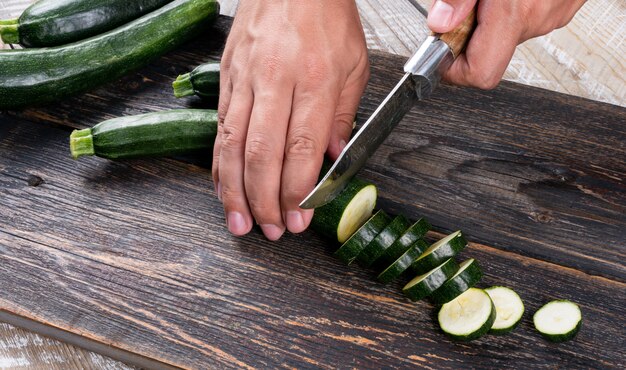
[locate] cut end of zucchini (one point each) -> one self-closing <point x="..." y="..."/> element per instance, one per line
<point x="183" y="86"/>
<point x="9" y="33"/>
<point x="509" y="309"/>
<point x="468" y="316"/>
<point x="558" y="321"/>
<point x="81" y="143"/>
<point x="357" y="212"/>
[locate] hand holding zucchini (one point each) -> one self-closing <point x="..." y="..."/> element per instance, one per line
<point x="36" y="76"/>
<point x="59" y="22"/>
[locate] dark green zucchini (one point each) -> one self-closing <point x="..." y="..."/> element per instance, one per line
<point x="203" y="81"/>
<point x="414" y="233"/>
<point x="423" y="285"/>
<point x="340" y="218"/>
<point x="469" y="316"/>
<point x="362" y="237"/>
<point x="402" y="264"/>
<point x="438" y="252"/>
<point x="59" y="22"/>
<point x="173" y="132"/>
<point x="36" y="76"/>
<point x="382" y="241"/>
<point x="468" y="275"/>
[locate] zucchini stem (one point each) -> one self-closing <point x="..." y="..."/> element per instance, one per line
<point x="81" y="143"/>
<point x="9" y="34"/>
<point x="183" y="86"/>
<point x="4" y="22"/>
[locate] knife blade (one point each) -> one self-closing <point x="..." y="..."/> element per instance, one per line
<point x="422" y="75"/>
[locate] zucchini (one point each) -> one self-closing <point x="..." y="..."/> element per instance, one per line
<point x="438" y="252"/>
<point x="509" y="309"/>
<point x="401" y="265"/>
<point x="203" y="81"/>
<point x="36" y="76"/>
<point x="60" y="22"/>
<point x="423" y="285"/>
<point x="469" y="316"/>
<point x="362" y="237"/>
<point x="558" y="321"/>
<point x="382" y="241"/>
<point x="414" y="233"/>
<point x="468" y="274"/>
<point x="340" y="218"/>
<point x="166" y="133"/>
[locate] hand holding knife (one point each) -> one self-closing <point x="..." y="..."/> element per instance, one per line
<point x="422" y="75"/>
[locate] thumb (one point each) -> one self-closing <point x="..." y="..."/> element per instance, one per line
<point x="446" y="15"/>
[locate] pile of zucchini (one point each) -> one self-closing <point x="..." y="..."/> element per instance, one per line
<point x="392" y="246"/>
<point x="73" y="46"/>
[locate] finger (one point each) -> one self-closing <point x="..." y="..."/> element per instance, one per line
<point x="226" y="89"/>
<point x="490" y="49"/>
<point x="345" y="114"/>
<point x="309" y="131"/>
<point x="231" y="164"/>
<point x="446" y="15"/>
<point x="264" y="157"/>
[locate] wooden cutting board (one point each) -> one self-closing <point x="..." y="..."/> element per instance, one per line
<point x="131" y="259"/>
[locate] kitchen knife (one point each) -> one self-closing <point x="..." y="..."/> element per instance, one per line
<point x="422" y="75"/>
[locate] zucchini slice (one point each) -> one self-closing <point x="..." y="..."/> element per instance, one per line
<point x="362" y="237"/>
<point x="558" y="321"/>
<point x="468" y="274"/>
<point x="509" y="309"/>
<point x="203" y="81"/>
<point x="403" y="263"/>
<point x="414" y="233"/>
<point x="438" y="252"/>
<point x="382" y="241"/>
<point x="345" y="214"/>
<point x="469" y="316"/>
<point x="423" y="285"/>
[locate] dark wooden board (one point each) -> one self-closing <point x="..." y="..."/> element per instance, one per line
<point x="134" y="257"/>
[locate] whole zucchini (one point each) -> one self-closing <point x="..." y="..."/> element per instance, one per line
<point x="60" y="22"/>
<point x="172" y="132"/>
<point x="36" y="76"/>
<point x="203" y="81"/>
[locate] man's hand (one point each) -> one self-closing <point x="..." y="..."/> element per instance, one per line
<point x="292" y="75"/>
<point x="502" y="25"/>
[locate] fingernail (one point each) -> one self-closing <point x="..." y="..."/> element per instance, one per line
<point x="272" y="232"/>
<point x="342" y="144"/>
<point x="441" y="14"/>
<point x="219" y="191"/>
<point x="236" y="223"/>
<point x="295" y="222"/>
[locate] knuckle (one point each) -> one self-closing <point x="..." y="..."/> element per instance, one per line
<point x="271" y="68"/>
<point x="303" y="144"/>
<point x="259" y="150"/>
<point x="231" y="137"/>
<point x="230" y="195"/>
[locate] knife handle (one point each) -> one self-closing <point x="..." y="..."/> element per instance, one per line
<point x="457" y="38"/>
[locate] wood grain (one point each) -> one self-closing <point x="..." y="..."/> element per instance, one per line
<point x="137" y="256"/>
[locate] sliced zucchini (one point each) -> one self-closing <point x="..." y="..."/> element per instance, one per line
<point x="362" y="237"/>
<point x="558" y="321"/>
<point x="438" y="252"/>
<point x="509" y="309"/>
<point x="382" y="241"/>
<point x="423" y="285"/>
<point x="340" y="218"/>
<point x="402" y="264"/>
<point x="414" y="233"/>
<point x="468" y="274"/>
<point x="469" y="316"/>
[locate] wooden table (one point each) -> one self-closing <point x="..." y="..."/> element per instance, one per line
<point x="29" y="350"/>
